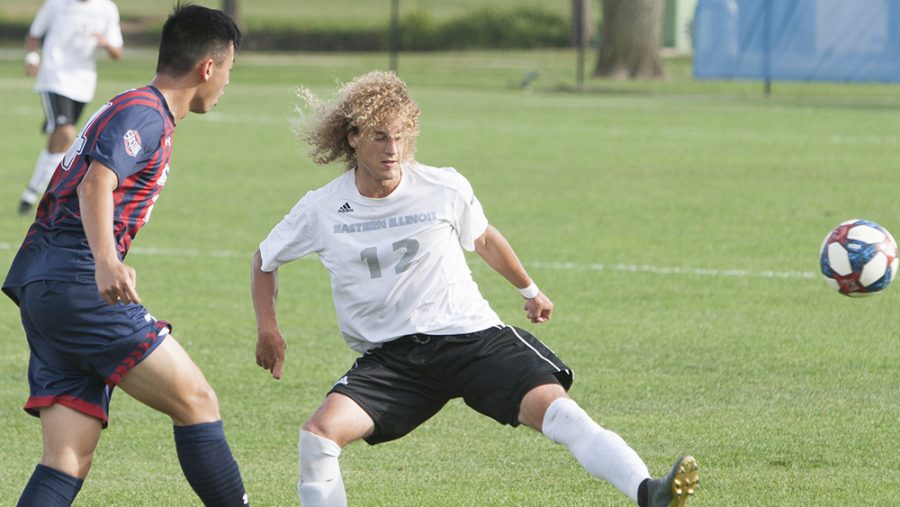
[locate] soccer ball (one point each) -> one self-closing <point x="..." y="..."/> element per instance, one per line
<point x="859" y="258"/>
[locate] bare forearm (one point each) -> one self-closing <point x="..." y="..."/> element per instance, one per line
<point x="499" y="255"/>
<point x="114" y="52"/>
<point x="270" y="345"/>
<point x="116" y="282"/>
<point x="264" y="291"/>
<point x="32" y="43"/>
<point x="496" y="251"/>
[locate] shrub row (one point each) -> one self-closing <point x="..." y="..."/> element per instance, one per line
<point x="518" y="27"/>
<point x="521" y="27"/>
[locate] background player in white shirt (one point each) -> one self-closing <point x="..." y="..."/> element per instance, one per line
<point x="69" y="34"/>
<point x="391" y="233"/>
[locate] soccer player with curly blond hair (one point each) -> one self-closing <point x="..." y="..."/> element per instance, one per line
<point x="392" y="233"/>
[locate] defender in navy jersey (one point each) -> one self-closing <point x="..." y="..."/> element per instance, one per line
<point x="83" y="319"/>
<point x="131" y="135"/>
<point x="391" y="233"/>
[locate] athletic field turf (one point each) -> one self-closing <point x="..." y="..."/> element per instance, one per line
<point x="675" y="225"/>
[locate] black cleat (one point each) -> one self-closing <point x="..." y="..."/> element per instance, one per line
<point x="674" y="489"/>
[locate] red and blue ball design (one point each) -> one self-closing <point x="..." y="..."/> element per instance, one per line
<point x="859" y="258"/>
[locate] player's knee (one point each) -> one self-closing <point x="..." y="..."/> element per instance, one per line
<point x="314" y="427"/>
<point x="318" y="428"/>
<point x="198" y="405"/>
<point x="205" y="400"/>
<point x="536" y="402"/>
<point x="207" y="396"/>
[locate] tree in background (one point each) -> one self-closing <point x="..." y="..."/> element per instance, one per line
<point x="232" y="9"/>
<point x="629" y="40"/>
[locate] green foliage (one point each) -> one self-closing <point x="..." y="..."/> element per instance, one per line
<point x="487" y="27"/>
<point x="356" y="26"/>
<point x="676" y="226"/>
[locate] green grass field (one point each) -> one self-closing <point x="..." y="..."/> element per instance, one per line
<point x="676" y="226"/>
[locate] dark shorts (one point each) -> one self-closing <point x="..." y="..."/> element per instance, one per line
<point x="59" y="110"/>
<point x="81" y="347"/>
<point x="406" y="381"/>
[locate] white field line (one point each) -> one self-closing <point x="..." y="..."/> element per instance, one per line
<point x="663" y="270"/>
<point x="611" y="132"/>
<point x="559" y="266"/>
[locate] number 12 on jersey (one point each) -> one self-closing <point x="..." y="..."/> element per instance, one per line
<point x="409" y="247"/>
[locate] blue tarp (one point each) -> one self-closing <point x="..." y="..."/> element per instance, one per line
<point x="800" y="40"/>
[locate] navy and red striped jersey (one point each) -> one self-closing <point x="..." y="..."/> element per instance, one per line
<point x="132" y="135"/>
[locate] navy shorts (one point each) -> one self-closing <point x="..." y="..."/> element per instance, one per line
<point x="406" y="381"/>
<point x="59" y="110"/>
<point x="81" y="347"/>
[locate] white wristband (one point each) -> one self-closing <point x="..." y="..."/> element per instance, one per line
<point x="530" y="292"/>
<point x="32" y="58"/>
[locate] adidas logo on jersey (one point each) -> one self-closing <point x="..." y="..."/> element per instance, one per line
<point x="345" y="208"/>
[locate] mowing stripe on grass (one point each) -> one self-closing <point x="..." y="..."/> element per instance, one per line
<point x="562" y="266"/>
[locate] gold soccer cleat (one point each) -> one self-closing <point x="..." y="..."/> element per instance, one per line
<point x="685" y="481"/>
<point x="680" y="483"/>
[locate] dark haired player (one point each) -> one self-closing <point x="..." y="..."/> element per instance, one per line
<point x="86" y="328"/>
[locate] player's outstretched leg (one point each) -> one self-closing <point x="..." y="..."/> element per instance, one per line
<point x="674" y="489"/>
<point x="601" y="452"/>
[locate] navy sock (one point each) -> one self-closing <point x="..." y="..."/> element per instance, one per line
<point x="49" y="487"/>
<point x="208" y="465"/>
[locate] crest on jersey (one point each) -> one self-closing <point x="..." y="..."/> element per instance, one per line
<point x="132" y="141"/>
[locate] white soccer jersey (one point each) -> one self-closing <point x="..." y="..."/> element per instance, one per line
<point x="397" y="264"/>
<point x="68" y="28"/>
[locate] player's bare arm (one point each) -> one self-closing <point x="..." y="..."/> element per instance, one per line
<point x="32" y="58"/>
<point x="499" y="255"/>
<point x="116" y="281"/>
<point x="270" y="344"/>
<point x="114" y="52"/>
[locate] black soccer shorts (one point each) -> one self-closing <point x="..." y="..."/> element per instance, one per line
<point x="59" y="110"/>
<point x="406" y="381"/>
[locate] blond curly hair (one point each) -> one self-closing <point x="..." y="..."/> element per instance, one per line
<point x="362" y="106"/>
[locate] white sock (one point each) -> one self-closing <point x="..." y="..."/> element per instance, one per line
<point x="43" y="171"/>
<point x="601" y="452"/>
<point x="321" y="484"/>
